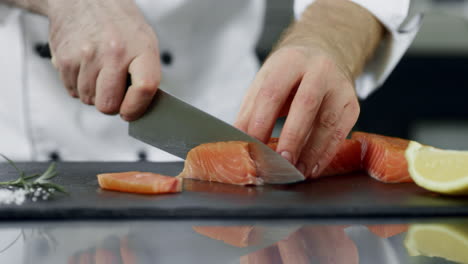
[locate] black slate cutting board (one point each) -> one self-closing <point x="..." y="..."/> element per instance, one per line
<point x="339" y="197"/>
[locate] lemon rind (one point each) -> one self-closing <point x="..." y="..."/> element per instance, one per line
<point x="453" y="187"/>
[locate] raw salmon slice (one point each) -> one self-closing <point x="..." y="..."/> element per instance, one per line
<point x="384" y="157"/>
<point x="386" y="231"/>
<point x="346" y="160"/>
<point x="238" y="236"/>
<point x="140" y="182"/>
<point x="225" y="162"/>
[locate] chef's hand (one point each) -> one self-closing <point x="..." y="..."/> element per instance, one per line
<point x="310" y="78"/>
<point x="95" y="44"/>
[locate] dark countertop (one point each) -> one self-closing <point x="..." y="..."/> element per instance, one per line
<point x="355" y="196"/>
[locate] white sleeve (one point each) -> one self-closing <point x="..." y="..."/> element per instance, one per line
<point x="392" y="14"/>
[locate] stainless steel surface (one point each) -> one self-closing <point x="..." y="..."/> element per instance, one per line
<point x="176" y="127"/>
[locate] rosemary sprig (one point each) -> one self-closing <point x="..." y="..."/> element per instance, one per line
<point x="35" y="181"/>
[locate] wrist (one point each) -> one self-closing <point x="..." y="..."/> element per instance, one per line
<point x="339" y="28"/>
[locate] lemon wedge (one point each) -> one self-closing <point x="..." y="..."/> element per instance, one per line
<point x="438" y="240"/>
<point x="442" y="171"/>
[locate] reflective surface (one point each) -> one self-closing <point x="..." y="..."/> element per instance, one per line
<point x="215" y="242"/>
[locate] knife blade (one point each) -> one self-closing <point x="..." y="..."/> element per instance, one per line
<point x="175" y="126"/>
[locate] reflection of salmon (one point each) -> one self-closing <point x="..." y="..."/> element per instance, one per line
<point x="238" y="236"/>
<point x="139" y="182"/>
<point x="384" y="157"/>
<point x="346" y="160"/>
<point x="226" y="162"/>
<point x="385" y="231"/>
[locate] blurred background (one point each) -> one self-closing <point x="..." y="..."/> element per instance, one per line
<point x="426" y="97"/>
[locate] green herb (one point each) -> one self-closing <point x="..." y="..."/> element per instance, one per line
<point x="34" y="181"/>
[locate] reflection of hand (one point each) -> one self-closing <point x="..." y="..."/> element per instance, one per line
<point x="95" y="43"/>
<point x="310" y="244"/>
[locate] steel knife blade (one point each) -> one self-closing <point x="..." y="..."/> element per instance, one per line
<point x="175" y="126"/>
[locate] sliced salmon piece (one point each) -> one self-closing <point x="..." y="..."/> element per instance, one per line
<point x="140" y="182"/>
<point x="238" y="236"/>
<point x="226" y="162"/>
<point x="386" y="231"/>
<point x="384" y="157"/>
<point x="346" y="160"/>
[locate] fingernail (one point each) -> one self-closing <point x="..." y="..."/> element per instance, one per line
<point x="287" y="155"/>
<point x="301" y="167"/>
<point x="315" y="170"/>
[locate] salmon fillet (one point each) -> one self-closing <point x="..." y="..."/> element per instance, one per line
<point x="346" y="160"/>
<point x="384" y="157"/>
<point x="225" y="162"/>
<point x="140" y="182"/>
<point x="238" y="236"/>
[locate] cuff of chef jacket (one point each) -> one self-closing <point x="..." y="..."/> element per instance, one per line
<point x="400" y="34"/>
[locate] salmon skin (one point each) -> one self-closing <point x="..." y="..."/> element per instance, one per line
<point x="383" y="158"/>
<point x="140" y="182"/>
<point x="225" y="162"/>
<point x="346" y="160"/>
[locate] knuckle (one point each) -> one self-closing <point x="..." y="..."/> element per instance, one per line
<point x="353" y="108"/>
<point x="147" y="87"/>
<point x="271" y="93"/>
<point x="313" y="152"/>
<point x="291" y="137"/>
<point x="64" y="63"/>
<point x="339" y="135"/>
<point x="260" y="122"/>
<point x="328" y="119"/>
<point x="116" y="47"/>
<point x="326" y="63"/>
<point x="327" y="155"/>
<point x="87" y="52"/>
<point x="309" y="101"/>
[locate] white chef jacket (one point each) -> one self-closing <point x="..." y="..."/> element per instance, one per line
<point x="210" y="44"/>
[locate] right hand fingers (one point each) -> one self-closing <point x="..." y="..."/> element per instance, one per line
<point x="88" y="75"/>
<point x="145" y="72"/>
<point x="111" y="81"/>
<point x="69" y="67"/>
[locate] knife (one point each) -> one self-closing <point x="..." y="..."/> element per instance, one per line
<point x="176" y="127"/>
